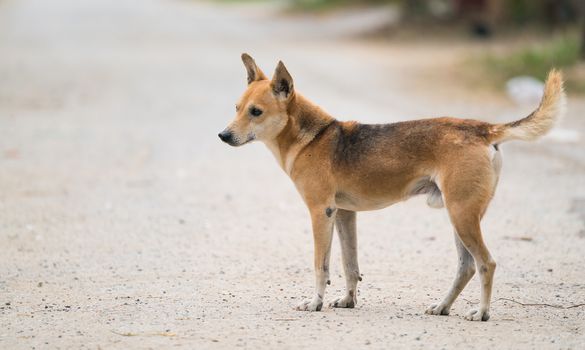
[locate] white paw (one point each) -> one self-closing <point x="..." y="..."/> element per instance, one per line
<point x="477" y="315"/>
<point x="439" y="309"/>
<point x="310" y="305"/>
<point x="343" y="302"/>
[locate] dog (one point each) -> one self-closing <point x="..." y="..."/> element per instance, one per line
<point x="341" y="167"/>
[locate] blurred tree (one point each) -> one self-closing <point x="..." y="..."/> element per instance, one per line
<point x="484" y="16"/>
<point x="581" y="8"/>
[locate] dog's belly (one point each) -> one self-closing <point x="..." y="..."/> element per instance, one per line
<point x="351" y="202"/>
<point x="384" y="197"/>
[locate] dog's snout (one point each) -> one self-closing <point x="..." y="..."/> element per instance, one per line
<point x="225" y="136"/>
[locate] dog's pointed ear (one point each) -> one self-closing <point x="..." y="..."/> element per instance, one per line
<point x="282" y="82"/>
<point x="254" y="73"/>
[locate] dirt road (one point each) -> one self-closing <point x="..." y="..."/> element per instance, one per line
<point x="125" y="223"/>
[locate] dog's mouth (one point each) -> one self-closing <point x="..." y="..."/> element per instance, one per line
<point x="234" y="141"/>
<point x="250" y="138"/>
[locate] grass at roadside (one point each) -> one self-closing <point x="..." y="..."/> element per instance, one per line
<point x="324" y="5"/>
<point x="240" y="1"/>
<point x="536" y="60"/>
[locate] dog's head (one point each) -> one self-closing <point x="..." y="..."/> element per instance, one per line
<point x="261" y="112"/>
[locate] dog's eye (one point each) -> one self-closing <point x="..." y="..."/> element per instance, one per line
<point x="255" y="112"/>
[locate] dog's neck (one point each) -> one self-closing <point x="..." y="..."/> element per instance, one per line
<point x="305" y="122"/>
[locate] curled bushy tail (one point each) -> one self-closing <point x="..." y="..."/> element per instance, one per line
<point x="539" y="122"/>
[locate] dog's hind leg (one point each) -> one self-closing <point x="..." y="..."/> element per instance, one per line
<point x="465" y="271"/>
<point x="468" y="186"/>
<point x="469" y="232"/>
<point x="345" y="221"/>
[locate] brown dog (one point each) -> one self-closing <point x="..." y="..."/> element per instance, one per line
<point x="343" y="167"/>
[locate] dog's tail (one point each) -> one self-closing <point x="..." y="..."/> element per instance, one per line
<point x="539" y="122"/>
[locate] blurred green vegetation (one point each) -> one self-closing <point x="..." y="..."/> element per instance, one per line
<point x="563" y="52"/>
<point x="535" y="60"/>
<point x="322" y="5"/>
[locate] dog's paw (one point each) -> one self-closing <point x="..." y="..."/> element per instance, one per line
<point x="316" y="304"/>
<point x="439" y="309"/>
<point x="343" y="302"/>
<point x="477" y="315"/>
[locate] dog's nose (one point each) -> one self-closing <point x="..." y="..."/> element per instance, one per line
<point x="225" y="136"/>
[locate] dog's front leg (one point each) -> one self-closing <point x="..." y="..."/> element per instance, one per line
<point x="322" y="218"/>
